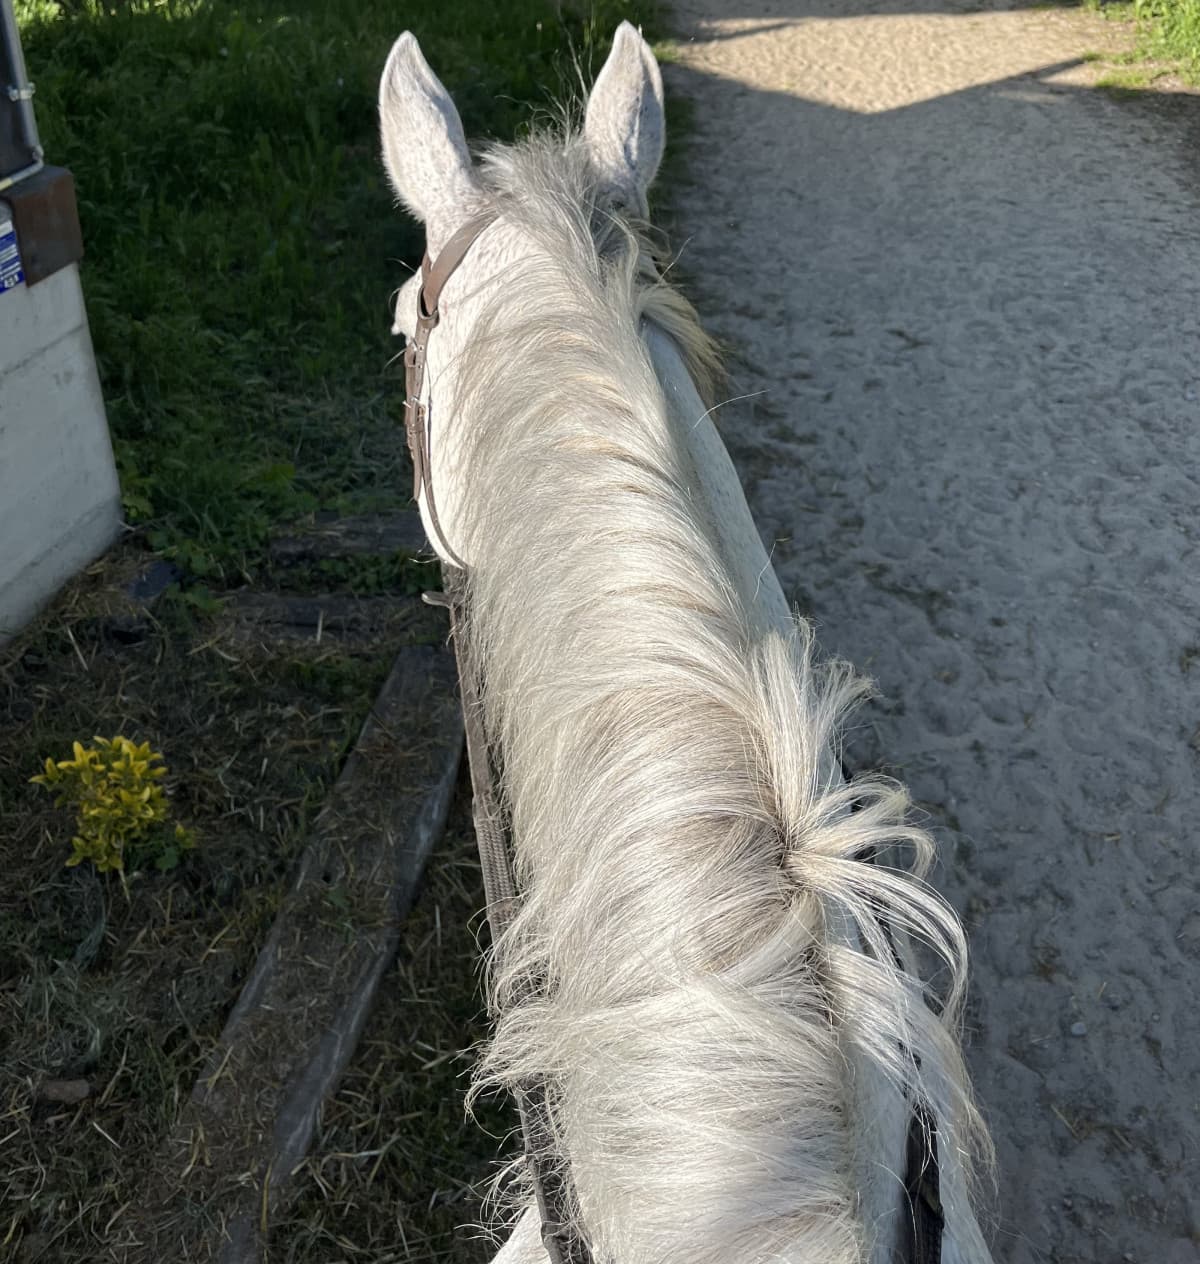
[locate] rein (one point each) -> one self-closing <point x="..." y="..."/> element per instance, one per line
<point x="551" y="1182"/>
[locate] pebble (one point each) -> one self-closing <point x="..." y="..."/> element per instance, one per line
<point x="1079" y="1029"/>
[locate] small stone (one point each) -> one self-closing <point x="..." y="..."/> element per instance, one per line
<point x="1079" y="1029"/>
<point x="64" y="1092"/>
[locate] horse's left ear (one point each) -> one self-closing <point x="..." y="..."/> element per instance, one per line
<point x="424" y="148"/>
<point x="625" y="125"/>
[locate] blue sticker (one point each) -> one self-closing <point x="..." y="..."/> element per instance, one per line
<point x="11" y="274"/>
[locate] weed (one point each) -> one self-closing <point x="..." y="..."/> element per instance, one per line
<point x="1124" y="84"/>
<point x="121" y="807"/>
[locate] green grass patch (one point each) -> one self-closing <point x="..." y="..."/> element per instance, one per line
<point x="1113" y="10"/>
<point x="1166" y="44"/>
<point x="242" y="241"/>
<point x="397" y="575"/>
<point x="1169" y="30"/>
<point x="1127" y="82"/>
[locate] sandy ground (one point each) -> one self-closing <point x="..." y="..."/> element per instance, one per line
<point x="967" y="287"/>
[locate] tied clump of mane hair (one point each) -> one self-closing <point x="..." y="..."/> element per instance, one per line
<point x="704" y="969"/>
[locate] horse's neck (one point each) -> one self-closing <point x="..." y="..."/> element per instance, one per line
<point x="878" y="1109"/>
<point x="877" y="1112"/>
<point x="717" y="492"/>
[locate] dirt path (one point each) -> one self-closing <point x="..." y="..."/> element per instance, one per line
<point x="968" y="288"/>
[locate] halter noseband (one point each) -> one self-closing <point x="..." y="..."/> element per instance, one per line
<point x="434" y="276"/>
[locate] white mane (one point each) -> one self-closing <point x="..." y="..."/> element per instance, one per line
<point x="716" y="963"/>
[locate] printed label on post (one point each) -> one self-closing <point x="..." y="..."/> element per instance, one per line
<point x="11" y="274"/>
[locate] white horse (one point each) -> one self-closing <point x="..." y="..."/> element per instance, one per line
<point x="731" y="1029"/>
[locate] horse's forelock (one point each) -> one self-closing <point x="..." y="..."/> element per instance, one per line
<point x="547" y="185"/>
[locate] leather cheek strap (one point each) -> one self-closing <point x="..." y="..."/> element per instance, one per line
<point x="434" y="276"/>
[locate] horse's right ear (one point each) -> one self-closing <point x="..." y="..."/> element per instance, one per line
<point x="424" y="148"/>
<point x="624" y="126"/>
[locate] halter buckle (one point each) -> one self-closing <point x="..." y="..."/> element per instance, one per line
<point x="426" y="321"/>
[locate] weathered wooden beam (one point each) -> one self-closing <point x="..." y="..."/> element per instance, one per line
<point x="361" y="535"/>
<point x="47" y="223"/>
<point x="225" y="1171"/>
<point x="333" y="619"/>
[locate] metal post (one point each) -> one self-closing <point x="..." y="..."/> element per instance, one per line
<point x="20" y="91"/>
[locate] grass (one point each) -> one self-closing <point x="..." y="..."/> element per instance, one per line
<point x="242" y="245"/>
<point x="1170" y="30"/>
<point x="1167" y="44"/>
<point x="242" y="242"/>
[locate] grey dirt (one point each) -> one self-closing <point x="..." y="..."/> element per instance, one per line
<point x="963" y="287"/>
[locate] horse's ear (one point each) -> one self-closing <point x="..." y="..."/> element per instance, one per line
<point x="625" y="126"/>
<point x="424" y="148"/>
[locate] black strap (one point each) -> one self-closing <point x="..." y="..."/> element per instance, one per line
<point x="926" y="1220"/>
<point x="434" y="276"/>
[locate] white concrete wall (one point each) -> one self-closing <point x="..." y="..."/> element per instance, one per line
<point x="60" y="504"/>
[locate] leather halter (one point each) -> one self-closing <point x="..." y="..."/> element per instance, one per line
<point x="434" y="276"/>
<point x="551" y="1181"/>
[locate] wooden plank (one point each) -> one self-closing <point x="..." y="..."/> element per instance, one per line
<point x="47" y="223"/>
<point x="226" y="1168"/>
<point x="355" y="535"/>
<point x="271" y="618"/>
